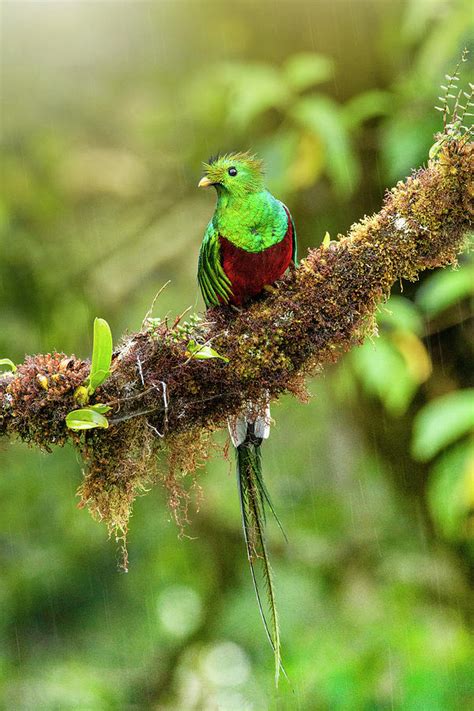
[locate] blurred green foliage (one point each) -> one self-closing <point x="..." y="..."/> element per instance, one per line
<point x="108" y="111"/>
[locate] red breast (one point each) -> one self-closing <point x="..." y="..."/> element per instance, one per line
<point x="249" y="272"/>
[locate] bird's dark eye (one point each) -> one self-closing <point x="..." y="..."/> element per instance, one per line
<point x="232" y="171"/>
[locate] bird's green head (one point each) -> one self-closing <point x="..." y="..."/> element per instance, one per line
<point x="237" y="174"/>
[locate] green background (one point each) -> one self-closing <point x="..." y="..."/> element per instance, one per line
<point x="108" y="110"/>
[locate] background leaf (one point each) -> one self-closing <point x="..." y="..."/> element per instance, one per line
<point x="383" y="373"/>
<point x="446" y="288"/>
<point x="401" y="313"/>
<point x="307" y="69"/>
<point x="451" y="491"/>
<point x="366" y="106"/>
<point x="442" y="422"/>
<point x="253" y="89"/>
<point x="321" y="115"/>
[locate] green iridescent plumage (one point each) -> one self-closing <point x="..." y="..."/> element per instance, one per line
<point x="246" y="214"/>
<point x="213" y="281"/>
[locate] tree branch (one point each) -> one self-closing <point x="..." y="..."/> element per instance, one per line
<point x="161" y="397"/>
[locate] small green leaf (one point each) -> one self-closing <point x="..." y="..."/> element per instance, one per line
<point x="98" y="377"/>
<point x="100" y="407"/>
<point x="101" y="354"/>
<point x="195" y="350"/>
<point x="326" y="240"/>
<point x="86" y="419"/>
<point x="8" y="363"/>
<point x="442" y="422"/>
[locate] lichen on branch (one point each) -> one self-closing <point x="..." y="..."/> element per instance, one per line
<point x="165" y="401"/>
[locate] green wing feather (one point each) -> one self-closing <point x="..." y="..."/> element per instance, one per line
<point x="214" y="283"/>
<point x="252" y="504"/>
<point x="294" y="254"/>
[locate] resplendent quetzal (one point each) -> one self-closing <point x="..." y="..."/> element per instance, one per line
<point x="249" y="243"/>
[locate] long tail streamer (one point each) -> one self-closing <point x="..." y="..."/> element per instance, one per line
<point x="253" y="497"/>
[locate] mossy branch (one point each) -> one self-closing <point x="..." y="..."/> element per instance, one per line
<point x="163" y="397"/>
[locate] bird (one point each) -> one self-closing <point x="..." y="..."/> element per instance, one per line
<point x="248" y="245"/>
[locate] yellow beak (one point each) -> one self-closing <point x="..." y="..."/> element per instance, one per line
<point x="204" y="182"/>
